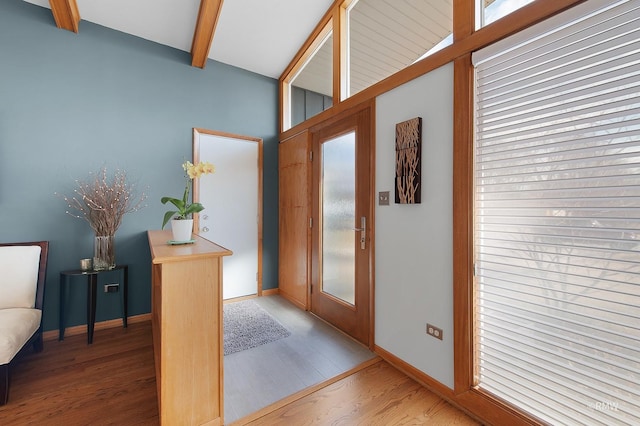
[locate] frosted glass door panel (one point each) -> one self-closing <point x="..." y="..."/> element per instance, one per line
<point x="338" y="217"/>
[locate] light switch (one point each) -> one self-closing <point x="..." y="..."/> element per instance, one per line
<point x="383" y="198"/>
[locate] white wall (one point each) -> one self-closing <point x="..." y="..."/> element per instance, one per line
<point x="413" y="269"/>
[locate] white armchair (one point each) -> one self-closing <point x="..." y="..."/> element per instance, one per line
<point x="22" y="276"/>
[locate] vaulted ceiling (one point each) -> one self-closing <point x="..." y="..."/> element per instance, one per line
<point x="263" y="36"/>
<point x="257" y="35"/>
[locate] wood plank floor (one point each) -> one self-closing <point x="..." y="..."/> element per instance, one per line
<point x="112" y="382"/>
<point x="376" y="395"/>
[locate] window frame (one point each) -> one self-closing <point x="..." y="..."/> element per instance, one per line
<point x="305" y="56"/>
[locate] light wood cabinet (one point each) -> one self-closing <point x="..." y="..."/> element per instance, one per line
<point x="186" y="305"/>
<point x="294" y="170"/>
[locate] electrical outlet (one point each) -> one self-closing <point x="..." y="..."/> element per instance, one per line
<point x="111" y="288"/>
<point x="434" y="331"/>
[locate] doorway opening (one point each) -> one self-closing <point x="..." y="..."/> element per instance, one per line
<point x="233" y="206"/>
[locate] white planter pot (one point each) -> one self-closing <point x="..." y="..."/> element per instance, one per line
<point x="182" y="229"/>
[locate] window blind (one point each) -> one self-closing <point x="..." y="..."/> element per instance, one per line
<point x="557" y="216"/>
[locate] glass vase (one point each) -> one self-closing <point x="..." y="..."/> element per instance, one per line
<point x="104" y="255"/>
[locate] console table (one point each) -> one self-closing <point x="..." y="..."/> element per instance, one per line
<point x="186" y="318"/>
<point x="92" y="283"/>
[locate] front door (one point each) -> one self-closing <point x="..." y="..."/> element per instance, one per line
<point x="342" y="222"/>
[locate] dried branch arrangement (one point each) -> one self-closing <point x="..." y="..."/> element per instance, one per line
<point x="103" y="201"/>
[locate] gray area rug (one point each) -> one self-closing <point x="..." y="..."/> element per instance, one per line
<point x="247" y="325"/>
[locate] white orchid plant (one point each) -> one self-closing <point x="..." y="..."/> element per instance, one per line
<point x="184" y="208"/>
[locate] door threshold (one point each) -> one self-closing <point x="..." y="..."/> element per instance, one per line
<point x="303" y="393"/>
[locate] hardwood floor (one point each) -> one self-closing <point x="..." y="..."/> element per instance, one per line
<point x="112" y="382"/>
<point x="71" y="383"/>
<point x="376" y="395"/>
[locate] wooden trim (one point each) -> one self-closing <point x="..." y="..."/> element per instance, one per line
<point x="195" y="155"/>
<point x="494" y="411"/>
<point x="270" y="292"/>
<point x="422" y="378"/>
<point x="65" y="14"/>
<point x="463" y="223"/>
<point x="284" y="97"/>
<point x="305" y="392"/>
<point x="309" y="218"/>
<point x="464" y="18"/>
<point x="206" y="22"/>
<point x="260" y="213"/>
<point x="310" y="45"/>
<point x="239" y="299"/>
<point x="430" y="63"/>
<point x="517" y="21"/>
<point x="102" y="325"/>
<point x="482" y="407"/>
<point x="344" y="112"/>
<point x="293" y="300"/>
<point x="372" y="225"/>
<point x="305" y="56"/>
<point x="300" y="59"/>
<point x="226" y="134"/>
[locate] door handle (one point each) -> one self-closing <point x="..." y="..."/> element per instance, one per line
<point x="363" y="232"/>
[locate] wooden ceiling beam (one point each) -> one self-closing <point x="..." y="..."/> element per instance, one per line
<point x="205" y="28"/>
<point x="66" y="14"/>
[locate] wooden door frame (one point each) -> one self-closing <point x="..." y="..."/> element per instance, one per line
<point x="196" y="190"/>
<point x="370" y="105"/>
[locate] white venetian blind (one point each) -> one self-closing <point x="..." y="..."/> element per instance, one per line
<point x="558" y="217"/>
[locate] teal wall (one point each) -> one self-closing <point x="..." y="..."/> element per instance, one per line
<point x="72" y="103"/>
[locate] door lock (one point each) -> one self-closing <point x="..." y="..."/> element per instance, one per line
<point x="363" y="232"/>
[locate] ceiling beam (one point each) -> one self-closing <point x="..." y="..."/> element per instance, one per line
<point x="205" y="28"/>
<point x="66" y="14"/>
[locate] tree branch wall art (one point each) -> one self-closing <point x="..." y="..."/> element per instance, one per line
<point x="408" y="161"/>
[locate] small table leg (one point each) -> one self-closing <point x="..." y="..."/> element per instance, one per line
<point x="91" y="306"/>
<point x="61" y="325"/>
<point x="125" y="296"/>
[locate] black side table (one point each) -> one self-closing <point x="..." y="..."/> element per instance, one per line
<point x="92" y="284"/>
